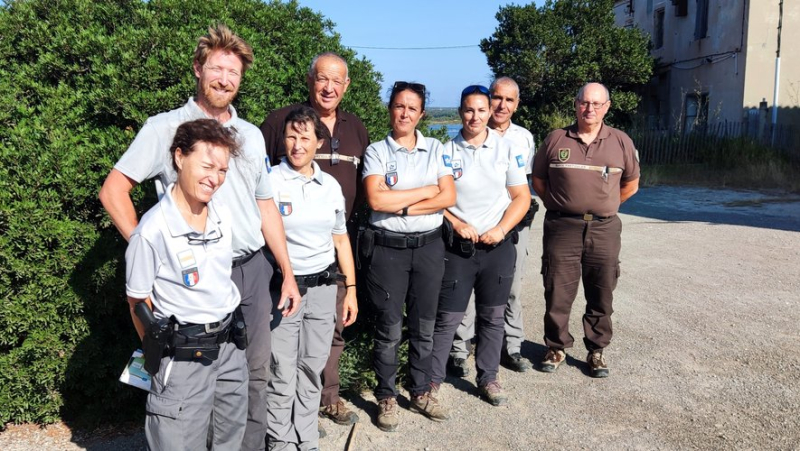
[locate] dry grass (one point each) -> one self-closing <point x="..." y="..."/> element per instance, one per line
<point x="766" y="175"/>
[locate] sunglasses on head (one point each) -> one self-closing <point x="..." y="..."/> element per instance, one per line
<point x="474" y="89"/>
<point x="416" y="87"/>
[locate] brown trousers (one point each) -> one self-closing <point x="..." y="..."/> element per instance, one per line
<point x="575" y="249"/>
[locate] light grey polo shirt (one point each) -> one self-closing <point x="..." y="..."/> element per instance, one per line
<point x="481" y="176"/>
<point x="184" y="272"/>
<point x="402" y="169"/>
<point x="247" y="180"/>
<point x="312" y="210"/>
<point x="522" y="140"/>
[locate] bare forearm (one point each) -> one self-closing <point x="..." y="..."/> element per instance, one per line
<point x="393" y="200"/>
<point x="137" y="323"/>
<point x="628" y="189"/>
<point x="520" y="202"/>
<point x="344" y="257"/>
<point x="116" y="199"/>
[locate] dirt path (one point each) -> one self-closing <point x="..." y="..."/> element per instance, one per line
<point x="704" y="355"/>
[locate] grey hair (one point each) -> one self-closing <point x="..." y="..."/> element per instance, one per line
<point x="504" y="81"/>
<point x="311" y="71"/>
<point x="579" y="97"/>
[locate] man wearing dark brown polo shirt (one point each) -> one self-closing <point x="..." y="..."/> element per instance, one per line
<point x="340" y="156"/>
<point x="583" y="173"/>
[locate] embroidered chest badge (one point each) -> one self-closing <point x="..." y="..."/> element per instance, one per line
<point x="458" y="171"/>
<point x="391" y="173"/>
<point x="191" y="277"/>
<point x="563" y="154"/>
<point x="285" y="204"/>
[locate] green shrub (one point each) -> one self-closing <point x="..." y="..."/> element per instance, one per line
<point x="79" y="79"/>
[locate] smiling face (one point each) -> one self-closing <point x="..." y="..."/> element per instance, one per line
<point x="405" y="112"/>
<point x="202" y="171"/>
<point x="301" y="145"/>
<point x="218" y="80"/>
<point x="475" y="113"/>
<point x="328" y="84"/>
<point x="505" y="100"/>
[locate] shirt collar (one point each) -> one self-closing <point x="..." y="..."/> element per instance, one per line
<point x="490" y="142"/>
<point x="288" y="173"/>
<point x="422" y="143"/>
<point x="197" y="113"/>
<point x="178" y="226"/>
<point x="572" y="132"/>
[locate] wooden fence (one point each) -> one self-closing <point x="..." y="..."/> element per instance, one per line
<point x="676" y="147"/>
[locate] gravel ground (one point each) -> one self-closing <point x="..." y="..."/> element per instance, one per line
<point x="704" y="354"/>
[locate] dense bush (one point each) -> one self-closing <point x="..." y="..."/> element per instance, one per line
<point x="79" y="78"/>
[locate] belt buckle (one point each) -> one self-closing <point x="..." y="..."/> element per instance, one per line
<point x="588" y="217"/>
<point x="213" y="328"/>
<point x="413" y="241"/>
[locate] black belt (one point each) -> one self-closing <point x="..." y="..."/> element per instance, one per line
<point x="328" y="276"/>
<point x="406" y="240"/>
<point x="203" y="334"/>
<point x="586" y="216"/>
<point x="239" y="261"/>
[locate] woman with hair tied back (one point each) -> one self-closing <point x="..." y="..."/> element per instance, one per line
<point x="312" y="207"/>
<point x="408" y="185"/>
<point x="178" y="270"/>
<point x="491" y="198"/>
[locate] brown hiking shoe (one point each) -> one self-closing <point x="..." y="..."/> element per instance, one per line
<point x="435" y="388"/>
<point x="388" y="417"/>
<point x="553" y="359"/>
<point x="338" y="413"/>
<point x="494" y="393"/>
<point x="597" y="364"/>
<point x="427" y="405"/>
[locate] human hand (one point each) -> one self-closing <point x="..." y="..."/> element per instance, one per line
<point x="350" y="307"/>
<point x="493" y="236"/>
<point x="290" y="297"/>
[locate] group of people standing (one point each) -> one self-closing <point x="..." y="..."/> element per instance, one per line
<point x="446" y="235"/>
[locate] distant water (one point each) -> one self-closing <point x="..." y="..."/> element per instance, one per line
<point x="452" y="129"/>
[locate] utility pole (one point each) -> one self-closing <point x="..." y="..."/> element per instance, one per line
<point x="777" y="75"/>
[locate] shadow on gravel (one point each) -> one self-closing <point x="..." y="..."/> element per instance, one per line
<point x="778" y="211"/>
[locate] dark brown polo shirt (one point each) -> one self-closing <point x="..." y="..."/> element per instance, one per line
<point x="585" y="178"/>
<point x="353" y="140"/>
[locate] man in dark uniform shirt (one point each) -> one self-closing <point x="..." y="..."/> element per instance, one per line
<point x="340" y="156"/>
<point x="583" y="173"/>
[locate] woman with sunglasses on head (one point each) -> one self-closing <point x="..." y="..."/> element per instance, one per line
<point x="312" y="207"/>
<point x="491" y="198"/>
<point x="408" y="185"/>
<point x="178" y="281"/>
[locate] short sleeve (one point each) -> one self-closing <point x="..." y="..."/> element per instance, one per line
<point x="515" y="175"/>
<point x="631" y="169"/>
<point x="141" y="267"/>
<point x="146" y="156"/>
<point x="263" y="184"/>
<point x="340" y="226"/>
<point x="372" y="161"/>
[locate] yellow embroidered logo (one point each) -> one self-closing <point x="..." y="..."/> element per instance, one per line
<point x="563" y="154"/>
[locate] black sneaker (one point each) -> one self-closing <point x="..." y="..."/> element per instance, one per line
<point x="597" y="364"/>
<point x="515" y="362"/>
<point x="457" y="367"/>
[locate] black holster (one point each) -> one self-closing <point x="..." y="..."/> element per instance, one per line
<point x="239" y="329"/>
<point x="365" y="244"/>
<point x="157" y="337"/>
<point x="527" y="220"/>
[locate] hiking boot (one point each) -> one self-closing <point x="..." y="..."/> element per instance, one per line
<point x="494" y="393"/>
<point x="427" y="405"/>
<point x="457" y="367"/>
<point x="552" y="359"/>
<point x="515" y="362"/>
<point x="435" y="388"/>
<point x="338" y="413"/>
<point x="388" y="417"/>
<point x="597" y="364"/>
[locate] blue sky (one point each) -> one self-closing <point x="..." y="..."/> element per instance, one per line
<point x="415" y="24"/>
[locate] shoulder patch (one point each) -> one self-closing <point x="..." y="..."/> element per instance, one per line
<point x="520" y="161"/>
<point x="268" y="164"/>
<point x="446" y="160"/>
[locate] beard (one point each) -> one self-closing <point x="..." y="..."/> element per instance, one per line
<point x="217" y="99"/>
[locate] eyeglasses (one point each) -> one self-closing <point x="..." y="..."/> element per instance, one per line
<point x="416" y="87"/>
<point x="595" y="105"/>
<point x="334" y="153"/>
<point x="205" y="240"/>
<point x="217" y="71"/>
<point x="475" y="89"/>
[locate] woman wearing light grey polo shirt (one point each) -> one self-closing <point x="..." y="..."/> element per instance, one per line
<point x="408" y="184"/>
<point x="313" y="211"/>
<point x="179" y="265"/>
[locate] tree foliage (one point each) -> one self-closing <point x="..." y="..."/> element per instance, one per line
<point x="552" y="50"/>
<point x="79" y="79"/>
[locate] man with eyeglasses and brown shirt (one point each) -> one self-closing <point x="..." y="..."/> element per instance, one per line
<point x="583" y="173"/>
<point x="341" y="156"/>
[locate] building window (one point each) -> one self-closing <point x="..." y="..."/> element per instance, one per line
<point x="658" y="29"/>
<point x="696" y="112"/>
<point x="701" y="20"/>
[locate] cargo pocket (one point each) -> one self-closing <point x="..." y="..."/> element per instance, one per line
<point x="163" y="406"/>
<point x="547" y="276"/>
<point x="616" y="277"/>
